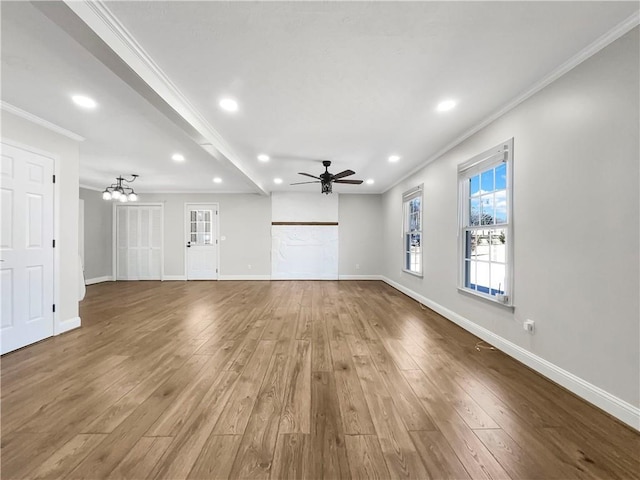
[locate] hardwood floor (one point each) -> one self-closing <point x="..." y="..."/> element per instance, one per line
<point x="297" y="380"/>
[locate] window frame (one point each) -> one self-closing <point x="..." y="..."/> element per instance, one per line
<point x="205" y="231"/>
<point x="502" y="153"/>
<point x="406" y="198"/>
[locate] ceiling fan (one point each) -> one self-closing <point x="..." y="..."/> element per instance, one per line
<point x="326" y="179"/>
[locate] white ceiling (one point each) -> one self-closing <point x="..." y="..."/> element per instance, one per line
<point x="352" y="82"/>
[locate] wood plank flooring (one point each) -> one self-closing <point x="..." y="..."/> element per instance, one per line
<point x="298" y="380"/>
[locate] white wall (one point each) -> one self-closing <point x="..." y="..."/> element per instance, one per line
<point x="304" y="207"/>
<point x="576" y="207"/>
<point x="66" y="194"/>
<point x="304" y="252"/>
<point x="245" y="222"/>
<point x="97" y="235"/>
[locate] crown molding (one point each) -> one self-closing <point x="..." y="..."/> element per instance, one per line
<point x="97" y="16"/>
<point x="194" y="192"/>
<point x="7" y="107"/>
<point x="603" y="41"/>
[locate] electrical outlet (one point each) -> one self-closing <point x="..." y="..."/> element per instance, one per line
<point x="249" y="266"/>
<point x="357" y="266"/>
<point x="529" y="325"/>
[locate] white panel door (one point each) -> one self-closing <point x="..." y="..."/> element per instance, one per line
<point x="138" y="242"/>
<point x="26" y="248"/>
<point x="201" y="242"/>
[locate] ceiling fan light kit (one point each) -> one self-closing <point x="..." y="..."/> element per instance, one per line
<point x="121" y="190"/>
<point x="326" y="179"/>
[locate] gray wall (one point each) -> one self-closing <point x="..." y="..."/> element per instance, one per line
<point x="245" y="221"/>
<point x="360" y="224"/>
<point x="576" y="207"/>
<point x="98" y="225"/>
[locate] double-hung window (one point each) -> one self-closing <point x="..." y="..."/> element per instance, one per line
<point x="485" y="187"/>
<point x="412" y="230"/>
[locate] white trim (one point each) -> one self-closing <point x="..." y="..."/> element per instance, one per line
<point x="195" y="192"/>
<point x="500" y="154"/>
<point x="171" y="278"/>
<point x="611" y="36"/>
<point x="494" y="156"/>
<point x="107" y="27"/>
<point x="69" y="324"/>
<point x="216" y="206"/>
<point x="93" y="281"/>
<point x="407" y="197"/>
<point x="359" y="277"/>
<point x="114" y="238"/>
<point x="7" y="107"/>
<point x="488" y="298"/>
<point x="308" y="276"/>
<point x="415" y="274"/>
<point x="244" y="277"/>
<point x="611" y="404"/>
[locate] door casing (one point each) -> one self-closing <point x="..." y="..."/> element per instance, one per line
<point x="216" y="232"/>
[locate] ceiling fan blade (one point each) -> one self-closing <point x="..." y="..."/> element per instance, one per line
<point x="302" y="183"/>
<point x="351" y="182"/>
<point x="308" y="175"/>
<point x="346" y="173"/>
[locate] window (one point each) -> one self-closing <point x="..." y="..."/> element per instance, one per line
<point x="200" y="233"/>
<point x="486" y="224"/>
<point x="412" y="230"/>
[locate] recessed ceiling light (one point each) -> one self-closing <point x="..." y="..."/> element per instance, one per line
<point x="177" y="157"/>
<point x="277" y="180"/>
<point x="394" y="158"/>
<point x="263" y="157"/>
<point x="446" y="105"/>
<point x="370" y="181"/>
<point x="84" y="102"/>
<point x="229" y="104"/>
<point x="217" y="180"/>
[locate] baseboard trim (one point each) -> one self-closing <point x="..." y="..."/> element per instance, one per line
<point x="92" y="281"/>
<point x="303" y="278"/>
<point x="171" y="278"/>
<point x="66" y="325"/>
<point x="244" y="277"/>
<point x="622" y="410"/>
<point x="359" y="277"/>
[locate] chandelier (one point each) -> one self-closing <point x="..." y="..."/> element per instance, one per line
<point x="121" y="190"/>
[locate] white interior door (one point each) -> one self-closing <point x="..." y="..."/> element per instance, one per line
<point x="139" y="242"/>
<point x="201" y="241"/>
<point x="26" y="248"/>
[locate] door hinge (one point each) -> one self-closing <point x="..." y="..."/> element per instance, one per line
<point x="53" y="243"/>
<point x="216" y="270"/>
<point x="54" y="308"/>
<point x="216" y="241"/>
<point x="216" y="212"/>
<point x="54" y="179"/>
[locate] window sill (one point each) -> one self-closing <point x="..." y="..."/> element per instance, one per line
<point x="415" y="274"/>
<point x="486" y="298"/>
